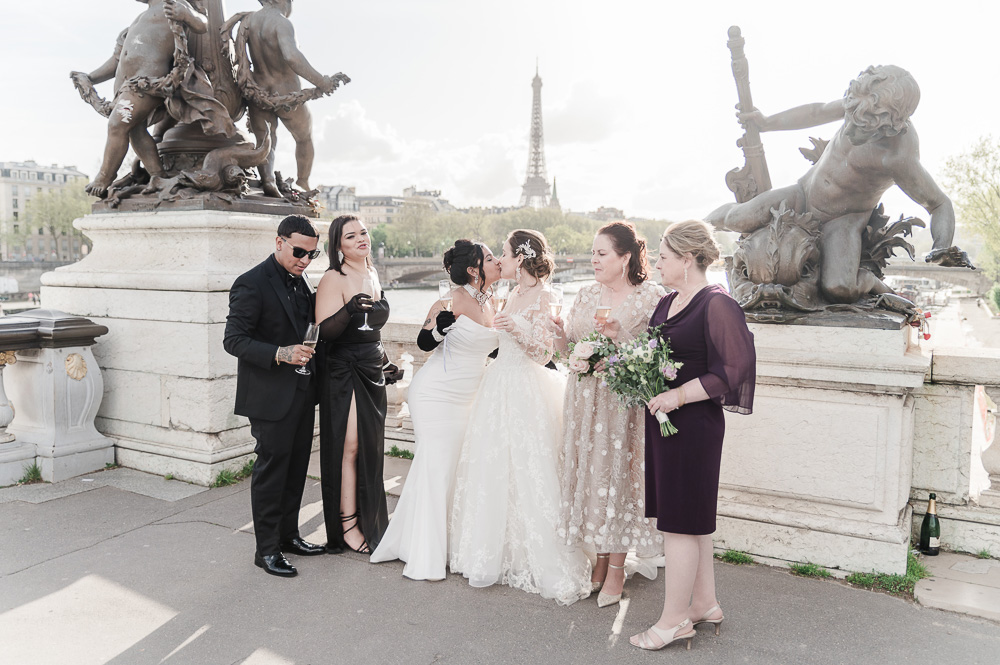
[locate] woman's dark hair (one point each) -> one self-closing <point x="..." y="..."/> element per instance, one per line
<point x="464" y="255"/>
<point x="625" y="240"/>
<point x="541" y="265"/>
<point x="296" y="224"/>
<point x="333" y="251"/>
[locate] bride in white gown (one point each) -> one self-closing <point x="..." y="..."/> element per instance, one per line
<point x="506" y="511"/>
<point x="440" y="398"/>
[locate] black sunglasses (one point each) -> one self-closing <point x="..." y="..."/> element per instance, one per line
<point x="299" y="252"/>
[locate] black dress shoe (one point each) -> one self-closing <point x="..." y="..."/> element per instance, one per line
<point x="302" y="548"/>
<point x="275" y="564"/>
<point x="335" y="549"/>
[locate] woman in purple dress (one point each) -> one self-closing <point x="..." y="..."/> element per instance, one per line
<point x="707" y="331"/>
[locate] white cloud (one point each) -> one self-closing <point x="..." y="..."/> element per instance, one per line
<point x="349" y="134"/>
<point x="586" y="117"/>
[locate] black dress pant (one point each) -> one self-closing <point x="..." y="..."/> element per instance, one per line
<point x="279" y="474"/>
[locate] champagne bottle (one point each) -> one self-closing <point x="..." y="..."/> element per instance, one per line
<point x="930" y="529"/>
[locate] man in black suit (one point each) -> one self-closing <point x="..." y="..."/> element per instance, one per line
<point x="270" y="307"/>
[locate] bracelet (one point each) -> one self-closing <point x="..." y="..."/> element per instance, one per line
<point x="438" y="337"/>
<point x="682" y="400"/>
<point x="277" y="360"/>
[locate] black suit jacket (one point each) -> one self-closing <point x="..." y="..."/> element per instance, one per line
<point x="261" y="319"/>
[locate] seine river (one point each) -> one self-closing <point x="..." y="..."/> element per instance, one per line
<point x="411" y="305"/>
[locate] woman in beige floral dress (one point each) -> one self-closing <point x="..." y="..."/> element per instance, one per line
<point x="602" y="481"/>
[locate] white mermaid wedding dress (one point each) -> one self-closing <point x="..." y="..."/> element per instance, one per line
<point x="506" y="511"/>
<point x="440" y="399"/>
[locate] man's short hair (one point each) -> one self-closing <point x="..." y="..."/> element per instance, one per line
<point x="297" y="224"/>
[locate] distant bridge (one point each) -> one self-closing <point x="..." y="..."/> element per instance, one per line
<point x="411" y="270"/>
<point x="974" y="280"/>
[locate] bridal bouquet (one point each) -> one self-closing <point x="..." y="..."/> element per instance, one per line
<point x="585" y="355"/>
<point x="639" y="370"/>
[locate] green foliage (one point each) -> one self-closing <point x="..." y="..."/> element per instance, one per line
<point x="972" y="179"/>
<point x="736" y="558"/>
<point x="53" y="211"/>
<point x="110" y="465"/>
<point x="984" y="554"/>
<point x="230" y="477"/>
<point x="169" y="476"/>
<point x="993" y="295"/>
<point x="808" y="570"/>
<point x="32" y="474"/>
<point x="419" y="231"/>
<point x="396" y="451"/>
<point x="896" y="585"/>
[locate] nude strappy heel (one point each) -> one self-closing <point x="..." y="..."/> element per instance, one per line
<point x="666" y="636"/>
<point x="605" y="599"/>
<point x="716" y="622"/>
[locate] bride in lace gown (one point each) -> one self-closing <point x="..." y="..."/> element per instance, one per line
<point x="506" y="510"/>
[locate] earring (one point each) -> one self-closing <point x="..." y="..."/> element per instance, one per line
<point x="624" y="269"/>
<point x="685" y="275"/>
<point x="340" y="256"/>
<point x="475" y="280"/>
<point x="517" y="274"/>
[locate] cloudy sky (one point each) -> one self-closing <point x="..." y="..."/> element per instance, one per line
<point x="638" y="95"/>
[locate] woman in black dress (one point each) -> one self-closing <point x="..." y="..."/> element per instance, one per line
<point x="707" y="331"/>
<point x="353" y="373"/>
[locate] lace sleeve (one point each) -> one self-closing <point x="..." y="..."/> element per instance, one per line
<point x="533" y="330"/>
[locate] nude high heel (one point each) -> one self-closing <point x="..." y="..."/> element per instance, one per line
<point x="716" y="622"/>
<point x="605" y="599"/>
<point x="666" y="636"/>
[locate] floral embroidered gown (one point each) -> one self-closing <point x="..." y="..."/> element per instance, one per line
<point x="603" y="470"/>
<point x="505" y="515"/>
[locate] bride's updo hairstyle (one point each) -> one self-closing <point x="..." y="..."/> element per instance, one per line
<point x="464" y="255"/>
<point x="625" y="240"/>
<point x="541" y="265"/>
<point x="693" y="237"/>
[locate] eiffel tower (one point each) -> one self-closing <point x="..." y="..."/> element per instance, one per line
<point x="535" y="193"/>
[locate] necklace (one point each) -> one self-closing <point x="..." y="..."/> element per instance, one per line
<point x="680" y="303"/>
<point x="480" y="297"/>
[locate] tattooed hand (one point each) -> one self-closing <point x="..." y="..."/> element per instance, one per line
<point x="297" y="354"/>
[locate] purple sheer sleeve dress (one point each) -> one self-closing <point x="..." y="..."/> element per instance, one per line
<point x="710" y="336"/>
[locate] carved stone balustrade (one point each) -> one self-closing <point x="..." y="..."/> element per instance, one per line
<point x="55" y="386"/>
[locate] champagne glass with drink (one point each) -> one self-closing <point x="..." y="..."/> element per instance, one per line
<point x="444" y="290"/>
<point x="501" y="291"/>
<point x="312" y="338"/>
<point x="603" y="307"/>
<point x="368" y="288"/>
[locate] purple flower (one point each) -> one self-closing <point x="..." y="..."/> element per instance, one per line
<point x="669" y="372"/>
<point x="613" y="359"/>
<point x="652" y="343"/>
<point x="611" y="371"/>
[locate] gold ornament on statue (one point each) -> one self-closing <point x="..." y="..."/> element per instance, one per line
<point x="76" y="366"/>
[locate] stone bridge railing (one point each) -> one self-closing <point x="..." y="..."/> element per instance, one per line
<point x="974" y="280"/>
<point x="410" y="270"/>
<point x="50" y="391"/>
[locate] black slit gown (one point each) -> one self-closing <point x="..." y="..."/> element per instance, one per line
<point x="351" y="364"/>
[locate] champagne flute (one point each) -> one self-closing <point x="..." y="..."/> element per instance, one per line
<point x="444" y="290"/>
<point x="312" y="338"/>
<point x="556" y="304"/>
<point x="501" y="291"/>
<point x="603" y="307"/>
<point x="368" y="288"/>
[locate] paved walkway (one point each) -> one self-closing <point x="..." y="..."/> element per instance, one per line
<point x="126" y="568"/>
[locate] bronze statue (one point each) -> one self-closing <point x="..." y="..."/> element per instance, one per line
<point x="161" y="82"/>
<point x="833" y="202"/>
<point x="269" y="79"/>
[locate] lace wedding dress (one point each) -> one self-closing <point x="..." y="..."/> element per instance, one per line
<point x="506" y="511"/>
<point x="440" y="398"/>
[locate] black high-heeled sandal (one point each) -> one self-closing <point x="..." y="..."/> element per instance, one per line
<point x="364" y="549"/>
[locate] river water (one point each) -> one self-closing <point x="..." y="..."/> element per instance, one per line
<point x="412" y="305"/>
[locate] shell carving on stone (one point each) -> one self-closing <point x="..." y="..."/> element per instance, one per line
<point x="76" y="366"/>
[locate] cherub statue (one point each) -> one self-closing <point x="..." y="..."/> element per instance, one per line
<point x="269" y="80"/>
<point x="875" y="148"/>
<point x="154" y="72"/>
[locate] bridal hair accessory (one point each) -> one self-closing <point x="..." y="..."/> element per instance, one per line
<point x="480" y="297"/>
<point x="526" y="250"/>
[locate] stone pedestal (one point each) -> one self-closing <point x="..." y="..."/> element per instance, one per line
<point x="821" y="471"/>
<point x="160" y="282"/>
